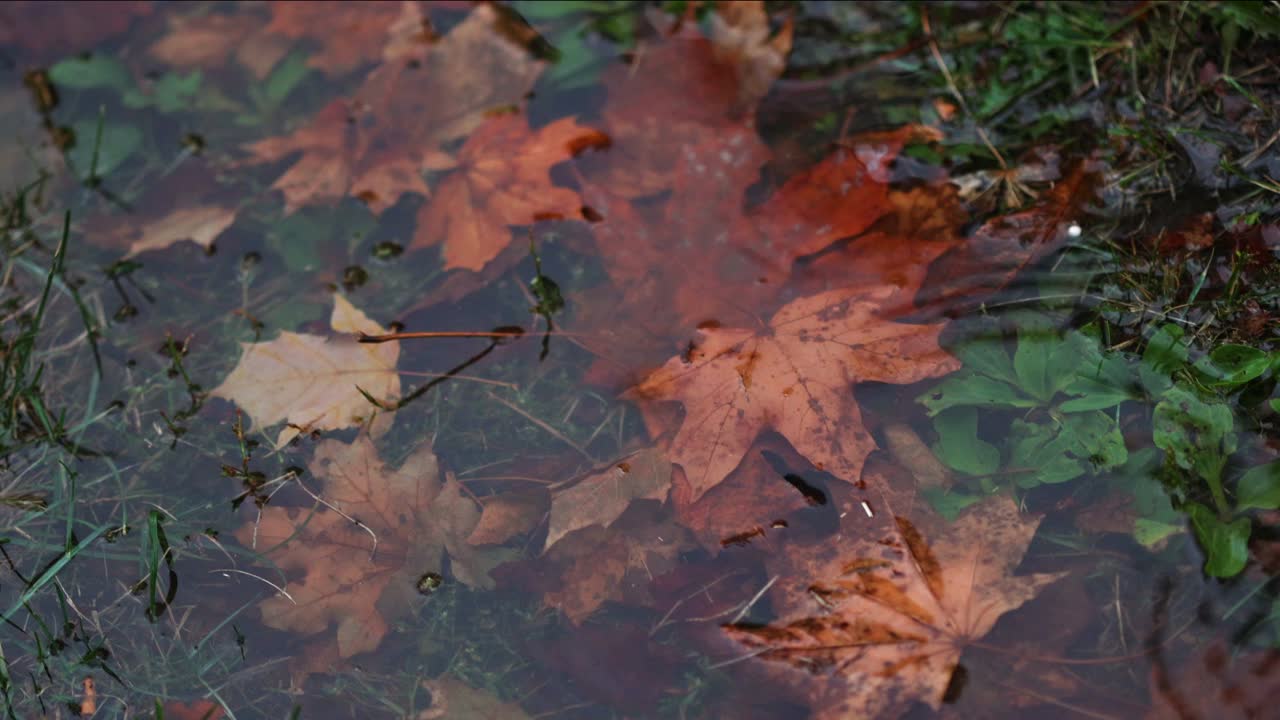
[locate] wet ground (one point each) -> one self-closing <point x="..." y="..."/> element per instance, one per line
<point x="780" y="361"/>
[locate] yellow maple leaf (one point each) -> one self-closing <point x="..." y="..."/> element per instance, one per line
<point x="314" y="382"/>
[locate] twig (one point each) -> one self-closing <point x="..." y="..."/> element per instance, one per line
<point x="951" y="85"/>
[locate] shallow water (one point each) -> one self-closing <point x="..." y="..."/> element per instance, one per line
<point x="681" y="463"/>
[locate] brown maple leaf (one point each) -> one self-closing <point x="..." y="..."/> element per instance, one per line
<point x="377" y="145"/>
<point x="347" y="35"/>
<point x="357" y="558"/>
<point x="501" y="179"/>
<point x="315" y="382"/>
<point x="207" y="41"/>
<point x="701" y="257"/>
<point x="879" y="621"/>
<point x="794" y="377"/>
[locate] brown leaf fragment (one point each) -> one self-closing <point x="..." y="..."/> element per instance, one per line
<point x="453" y="699"/>
<point x="314" y="382"/>
<point x="879" y="622"/>
<point x="741" y="39"/>
<point x="601" y="498"/>
<point x="793" y="377"/>
<point x="200" y="225"/>
<point x="508" y="515"/>
<point x="616" y="563"/>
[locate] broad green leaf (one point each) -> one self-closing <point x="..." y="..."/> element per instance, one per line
<point x="1231" y="365"/>
<point x="1150" y="533"/>
<point x="174" y="92"/>
<point x="966" y="388"/>
<point x="1100" y="384"/>
<point x="1259" y="488"/>
<point x="577" y="63"/>
<point x="1197" y="435"/>
<point x="986" y="355"/>
<point x="1042" y="455"/>
<point x="1097" y="439"/>
<point x="1165" y="350"/>
<point x="959" y="446"/>
<point x="286" y="76"/>
<point x="949" y="504"/>
<point x="119" y="142"/>
<point x="95" y="71"/>
<point x="1226" y="545"/>
<point x="555" y="9"/>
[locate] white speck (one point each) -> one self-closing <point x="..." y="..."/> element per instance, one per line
<point x="1074" y="231"/>
<point x="867" y="509"/>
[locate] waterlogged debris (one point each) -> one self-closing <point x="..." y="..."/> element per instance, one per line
<point x="880" y="622"/>
<point x="200" y="225"/>
<point x="314" y="382"/>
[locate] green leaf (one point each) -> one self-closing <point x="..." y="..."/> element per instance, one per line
<point x="555" y="9"/>
<point x="1197" y="435"/>
<point x="1101" y="383"/>
<point x="174" y="92"/>
<point x="1043" y="454"/>
<point x="1226" y="545"/>
<point x="285" y="78"/>
<point x="986" y="355"/>
<point x="1097" y="439"/>
<point x="1259" y="488"/>
<point x="119" y="142"/>
<point x="577" y="64"/>
<point x="1231" y="365"/>
<point x="967" y="388"/>
<point x="949" y="504"/>
<point x="959" y="446"/>
<point x="1031" y="361"/>
<point x="95" y="71"/>
<point x="1150" y="533"/>
<point x="1165" y="350"/>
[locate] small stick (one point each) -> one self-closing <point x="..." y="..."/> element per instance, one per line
<point x="388" y="337"/>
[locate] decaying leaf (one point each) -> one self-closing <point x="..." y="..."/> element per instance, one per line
<point x="615" y="563"/>
<point x="601" y="498"/>
<point x="879" y="622"/>
<point x="741" y="39"/>
<point x="501" y="179"/>
<point x="377" y="146"/>
<point x="794" y="377"/>
<point x="209" y="40"/>
<point x="314" y="382"/>
<point x="346" y="35"/>
<point x="201" y="225"/>
<point x="507" y="515"/>
<point x="359" y="557"/>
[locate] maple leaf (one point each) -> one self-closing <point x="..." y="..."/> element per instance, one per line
<point x="879" y="622"/>
<point x="315" y="382"/>
<point x="795" y="377"/>
<point x="601" y="498"/>
<point x="700" y="257"/>
<point x="502" y="178"/>
<point x="207" y="41"/>
<point x="362" y="553"/>
<point x="348" y="34"/>
<point x="424" y="94"/>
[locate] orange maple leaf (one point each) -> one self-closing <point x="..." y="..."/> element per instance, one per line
<point x="502" y="178"/>
<point x="347" y="34"/>
<point x="878" y="621"/>
<point x="795" y="377"/>
<point x="377" y="146"/>
<point x="362" y="553"/>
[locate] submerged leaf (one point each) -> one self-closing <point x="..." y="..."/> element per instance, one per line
<point x="315" y="382"/>
<point x="878" y="622"/>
